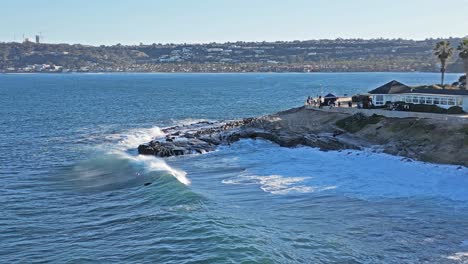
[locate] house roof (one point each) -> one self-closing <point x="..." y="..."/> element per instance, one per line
<point x="393" y="87"/>
<point x="440" y="91"/>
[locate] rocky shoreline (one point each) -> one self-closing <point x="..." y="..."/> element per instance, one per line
<point x="419" y="139"/>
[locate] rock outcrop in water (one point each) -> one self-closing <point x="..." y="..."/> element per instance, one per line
<point x="196" y="138"/>
<point x="203" y="137"/>
<point x="422" y="139"/>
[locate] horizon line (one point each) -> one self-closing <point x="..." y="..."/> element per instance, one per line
<point x="232" y="42"/>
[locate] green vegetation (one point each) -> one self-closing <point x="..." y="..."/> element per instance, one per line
<point x="462" y="79"/>
<point x="424" y="108"/>
<point x="463" y="49"/>
<point x="464" y="130"/>
<point x="435" y="109"/>
<point x="455" y="110"/>
<point x="357" y="122"/>
<point x="397" y="126"/>
<point x="443" y="51"/>
<point x="413" y="127"/>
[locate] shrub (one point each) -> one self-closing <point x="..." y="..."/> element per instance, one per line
<point x="427" y="108"/>
<point x="357" y="122"/>
<point x="379" y="107"/>
<point x="462" y="82"/>
<point x="462" y="79"/>
<point x="455" y="110"/>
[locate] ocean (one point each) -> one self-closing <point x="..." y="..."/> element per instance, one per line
<point x="74" y="190"/>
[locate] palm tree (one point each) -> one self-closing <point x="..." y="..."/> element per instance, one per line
<point x="443" y="51"/>
<point x="463" y="48"/>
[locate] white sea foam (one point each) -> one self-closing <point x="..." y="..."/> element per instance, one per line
<point x="135" y="137"/>
<point x="361" y="174"/>
<point x="276" y="184"/>
<point x="459" y="256"/>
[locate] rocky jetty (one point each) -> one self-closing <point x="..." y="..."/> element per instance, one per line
<point x="197" y="138"/>
<point x="203" y="137"/>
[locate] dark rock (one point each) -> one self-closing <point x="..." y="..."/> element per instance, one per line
<point x="146" y="149"/>
<point x="188" y="135"/>
<point x="205" y="136"/>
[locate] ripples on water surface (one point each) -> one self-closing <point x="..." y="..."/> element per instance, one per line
<point x="74" y="189"/>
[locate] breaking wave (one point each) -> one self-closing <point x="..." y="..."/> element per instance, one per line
<point x="134" y="137"/>
<point x="118" y="165"/>
<point x="150" y="164"/>
<point x="131" y="139"/>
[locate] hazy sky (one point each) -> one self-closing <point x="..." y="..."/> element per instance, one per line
<point x="179" y="21"/>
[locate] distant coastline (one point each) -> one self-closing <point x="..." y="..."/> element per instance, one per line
<point x="340" y="55"/>
<point x="328" y="72"/>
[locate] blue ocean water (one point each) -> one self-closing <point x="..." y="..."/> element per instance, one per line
<point x="72" y="187"/>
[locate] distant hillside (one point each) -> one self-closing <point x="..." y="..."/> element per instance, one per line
<point x="296" y="56"/>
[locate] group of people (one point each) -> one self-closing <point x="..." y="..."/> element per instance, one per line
<point x="319" y="102"/>
<point x="312" y="101"/>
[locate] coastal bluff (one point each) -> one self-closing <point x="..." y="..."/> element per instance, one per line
<point x="429" y="140"/>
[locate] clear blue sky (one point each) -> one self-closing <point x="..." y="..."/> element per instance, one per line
<point x="194" y="21"/>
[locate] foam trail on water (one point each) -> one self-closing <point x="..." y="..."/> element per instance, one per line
<point x="361" y="174"/>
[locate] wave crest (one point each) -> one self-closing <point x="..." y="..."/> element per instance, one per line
<point x="151" y="163"/>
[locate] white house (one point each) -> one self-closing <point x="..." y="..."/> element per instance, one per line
<point x="395" y="91"/>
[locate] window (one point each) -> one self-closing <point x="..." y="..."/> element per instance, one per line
<point x="379" y="99"/>
<point x="415" y="99"/>
<point x="443" y="101"/>
<point x="436" y="100"/>
<point x="451" y="101"/>
<point x="422" y="100"/>
<point x="408" y="99"/>
<point x="429" y="100"/>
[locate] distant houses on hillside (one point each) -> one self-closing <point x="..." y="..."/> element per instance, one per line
<point x="339" y="55"/>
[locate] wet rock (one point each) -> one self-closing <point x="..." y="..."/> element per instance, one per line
<point x="204" y="137"/>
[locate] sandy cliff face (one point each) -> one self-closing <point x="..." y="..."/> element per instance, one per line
<point x="428" y="140"/>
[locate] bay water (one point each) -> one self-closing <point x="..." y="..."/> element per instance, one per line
<point x="74" y="190"/>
